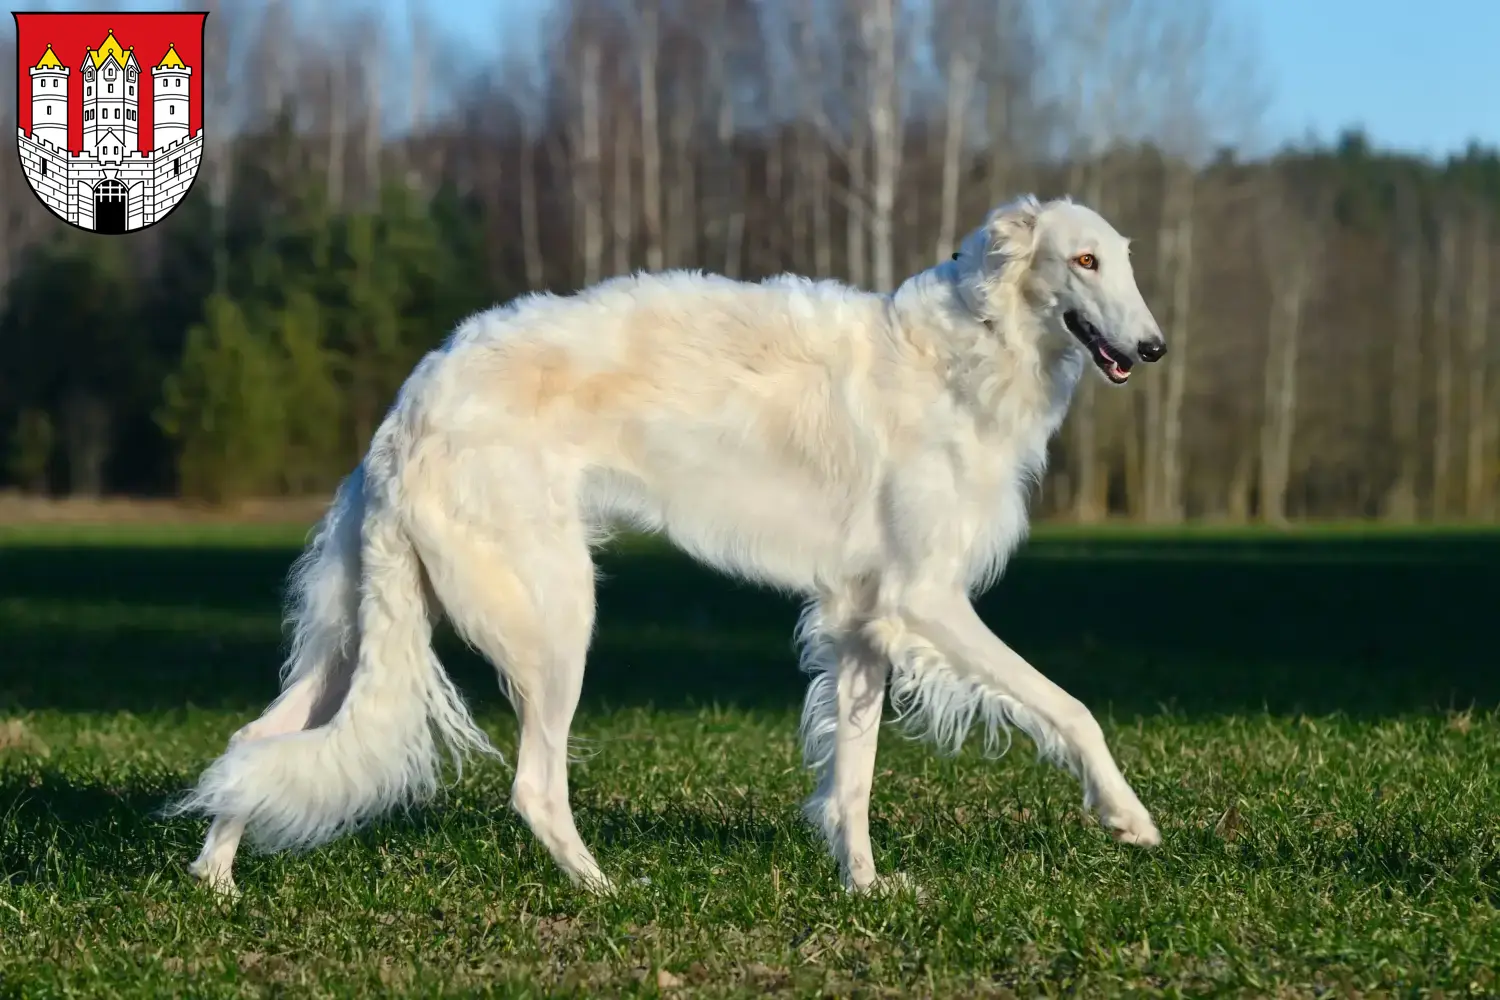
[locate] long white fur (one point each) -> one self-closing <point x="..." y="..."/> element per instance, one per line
<point x="871" y="452"/>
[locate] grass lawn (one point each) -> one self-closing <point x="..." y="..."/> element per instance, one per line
<point x="1313" y="719"/>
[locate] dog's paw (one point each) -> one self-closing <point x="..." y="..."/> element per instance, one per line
<point x="217" y="878"/>
<point x="595" y="883"/>
<point x="888" y="886"/>
<point x="1132" y="828"/>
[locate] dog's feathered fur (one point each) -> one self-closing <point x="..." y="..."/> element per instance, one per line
<point x="871" y="452"/>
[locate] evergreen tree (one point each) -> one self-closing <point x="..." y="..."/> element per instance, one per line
<point x="224" y="409"/>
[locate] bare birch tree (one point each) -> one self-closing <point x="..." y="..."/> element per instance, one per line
<point x="1163" y="446"/>
<point x="588" y="190"/>
<point x="956" y="39"/>
<point x="417" y="93"/>
<point x="680" y="242"/>
<point x="622" y="192"/>
<point x="1291" y="235"/>
<point x="813" y="160"/>
<point x="1476" y="367"/>
<point x="374" y="106"/>
<point x="879" y="31"/>
<point x="218" y="158"/>
<point x="522" y="87"/>
<point x="647" y="37"/>
<point x="1406" y="363"/>
<point x="1443" y="348"/>
<point x="338" y="128"/>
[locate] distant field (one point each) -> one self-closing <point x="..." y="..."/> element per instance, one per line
<point x="1313" y="717"/>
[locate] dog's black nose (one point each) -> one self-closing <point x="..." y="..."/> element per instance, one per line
<point x="1152" y="350"/>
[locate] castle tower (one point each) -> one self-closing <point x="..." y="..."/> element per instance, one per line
<point x="171" y="84"/>
<point x="111" y="99"/>
<point x="49" y="100"/>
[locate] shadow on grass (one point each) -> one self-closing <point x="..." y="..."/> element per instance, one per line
<point x="58" y="828"/>
<point x="55" y="823"/>
<point x="1368" y="626"/>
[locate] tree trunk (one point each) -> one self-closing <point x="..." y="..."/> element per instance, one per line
<point x="1476" y="365"/>
<point x="374" y="136"/>
<point x="822" y="211"/>
<point x="878" y="30"/>
<point x="217" y="152"/>
<point x="622" y="201"/>
<point x="421" y="67"/>
<point x="1406" y="373"/>
<point x="1443" y="347"/>
<point x="531" y="238"/>
<point x="1241" y="485"/>
<point x="681" y="244"/>
<point x="768" y="258"/>
<point x="730" y="189"/>
<point x="800" y="205"/>
<point x="1290" y="238"/>
<point x="735" y="249"/>
<point x="591" y="190"/>
<point x="813" y="158"/>
<point x="651" y="201"/>
<point x="1280" y="397"/>
<point x="1170" y="502"/>
<point x="855" y="222"/>
<point x="997" y="128"/>
<point x="338" y="124"/>
<point x="961" y="73"/>
<point x="86" y="434"/>
<point x="1090" y="478"/>
<point x="1153" y="393"/>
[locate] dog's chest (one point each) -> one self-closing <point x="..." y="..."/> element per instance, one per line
<point x="994" y="464"/>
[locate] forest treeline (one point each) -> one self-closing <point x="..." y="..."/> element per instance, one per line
<point x="1331" y="308"/>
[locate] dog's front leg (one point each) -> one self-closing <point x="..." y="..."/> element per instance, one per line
<point x="1063" y="729"/>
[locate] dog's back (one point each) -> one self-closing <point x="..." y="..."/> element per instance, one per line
<point x="693" y="402"/>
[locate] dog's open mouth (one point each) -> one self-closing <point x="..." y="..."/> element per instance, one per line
<point x="1115" y="366"/>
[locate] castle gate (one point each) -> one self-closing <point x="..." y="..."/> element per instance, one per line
<point x="109" y="206"/>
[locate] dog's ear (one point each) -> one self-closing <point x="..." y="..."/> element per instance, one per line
<point x="1012" y="229"/>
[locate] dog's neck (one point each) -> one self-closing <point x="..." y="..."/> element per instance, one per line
<point x="982" y="354"/>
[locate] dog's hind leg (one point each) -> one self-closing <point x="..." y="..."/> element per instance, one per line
<point x="840" y="732"/>
<point x="317" y="675"/>
<point x="523" y="594"/>
<point x="306" y="703"/>
<point x="849" y="700"/>
<point x="324" y="584"/>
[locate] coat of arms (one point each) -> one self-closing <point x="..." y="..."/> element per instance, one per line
<point x="110" y="114"/>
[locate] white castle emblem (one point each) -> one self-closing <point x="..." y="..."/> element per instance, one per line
<point x="111" y="186"/>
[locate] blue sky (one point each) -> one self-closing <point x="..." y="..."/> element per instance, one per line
<point x="1417" y="75"/>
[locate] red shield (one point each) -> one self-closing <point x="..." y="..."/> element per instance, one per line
<point x="110" y="114"/>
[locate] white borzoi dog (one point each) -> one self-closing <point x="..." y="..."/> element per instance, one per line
<point x="871" y="452"/>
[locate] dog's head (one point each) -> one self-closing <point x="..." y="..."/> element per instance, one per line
<point x="1071" y="269"/>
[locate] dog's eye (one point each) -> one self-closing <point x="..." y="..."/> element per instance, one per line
<point x="1087" y="261"/>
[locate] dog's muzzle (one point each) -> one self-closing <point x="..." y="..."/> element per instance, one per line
<point x="1114" y="364"/>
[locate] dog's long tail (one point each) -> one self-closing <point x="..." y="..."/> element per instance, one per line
<point x="360" y="602"/>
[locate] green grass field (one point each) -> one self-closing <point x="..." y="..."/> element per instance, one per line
<point x="1312" y="719"/>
